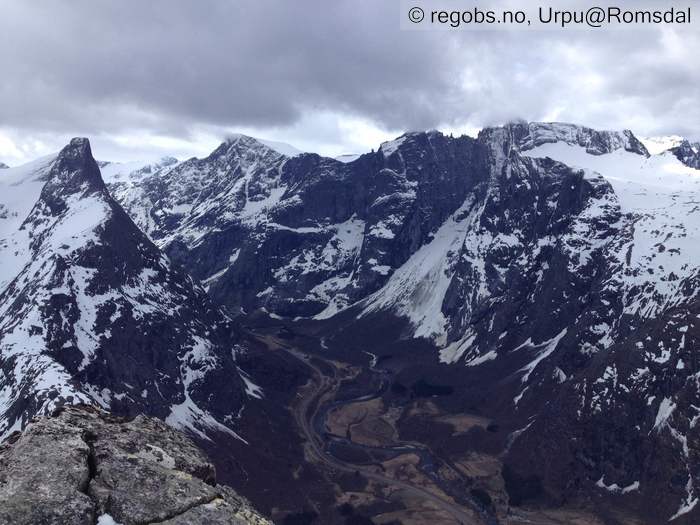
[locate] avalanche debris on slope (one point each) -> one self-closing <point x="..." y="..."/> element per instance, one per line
<point x="554" y="233"/>
<point x="417" y="289"/>
<point x="275" y="204"/>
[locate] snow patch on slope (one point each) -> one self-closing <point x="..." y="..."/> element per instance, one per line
<point x="417" y="289"/>
<point x="656" y="145"/>
<point x="660" y="194"/>
<point x="280" y="147"/>
<point x="390" y="147"/>
<point x="545" y="349"/>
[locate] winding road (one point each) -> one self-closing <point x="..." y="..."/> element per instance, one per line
<point x="305" y="412"/>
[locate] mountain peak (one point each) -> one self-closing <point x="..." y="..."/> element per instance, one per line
<point x="75" y="167"/>
<point x="235" y="141"/>
<point x="79" y="142"/>
<point x="235" y="146"/>
<point x="235" y="138"/>
<point x="390" y="146"/>
<point x="74" y="172"/>
<point x="4" y="166"/>
<point x="529" y="135"/>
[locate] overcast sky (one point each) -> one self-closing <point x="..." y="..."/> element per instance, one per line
<point x="147" y="78"/>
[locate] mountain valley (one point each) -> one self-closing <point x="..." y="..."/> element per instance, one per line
<point x="490" y="329"/>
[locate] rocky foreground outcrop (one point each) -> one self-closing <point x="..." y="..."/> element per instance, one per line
<point x="84" y="466"/>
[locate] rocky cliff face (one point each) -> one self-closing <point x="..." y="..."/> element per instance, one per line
<point x="92" y="311"/>
<point x="556" y="264"/>
<point x="531" y="135"/>
<point x="83" y="466"/>
<point x="299" y="235"/>
<point x="688" y="154"/>
<point x="307" y="236"/>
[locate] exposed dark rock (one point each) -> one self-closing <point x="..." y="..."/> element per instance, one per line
<point x="94" y="312"/>
<point x="571" y="295"/>
<point x="688" y="154"/>
<point x="561" y="302"/>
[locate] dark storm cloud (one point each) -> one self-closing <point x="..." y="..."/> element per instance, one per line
<point x="170" y="65"/>
<point x="221" y="62"/>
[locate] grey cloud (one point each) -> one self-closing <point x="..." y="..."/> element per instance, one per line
<point x="170" y="66"/>
<point x="219" y="62"/>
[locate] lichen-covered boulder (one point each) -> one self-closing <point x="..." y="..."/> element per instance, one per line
<point x="83" y="466"/>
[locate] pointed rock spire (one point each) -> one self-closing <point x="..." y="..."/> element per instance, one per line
<point x="75" y="166"/>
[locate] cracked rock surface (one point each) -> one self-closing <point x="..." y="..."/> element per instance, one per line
<point x="83" y="463"/>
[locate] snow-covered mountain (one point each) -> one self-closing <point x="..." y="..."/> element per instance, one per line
<point x="249" y="214"/>
<point x="656" y="145"/>
<point x="688" y="154"/>
<point x="92" y="311"/>
<point x="557" y="264"/>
